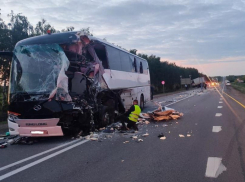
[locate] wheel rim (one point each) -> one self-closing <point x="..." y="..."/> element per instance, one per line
<point x="106" y="119"/>
<point x="141" y="102"/>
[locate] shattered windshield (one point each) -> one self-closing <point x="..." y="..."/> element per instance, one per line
<point x="38" y="69"/>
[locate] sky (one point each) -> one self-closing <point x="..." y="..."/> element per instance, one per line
<point x="206" y="34"/>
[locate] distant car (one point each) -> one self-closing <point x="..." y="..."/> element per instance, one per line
<point x="211" y="84"/>
<point x="227" y="82"/>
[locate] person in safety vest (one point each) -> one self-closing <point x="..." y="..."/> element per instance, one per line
<point x="131" y="117"/>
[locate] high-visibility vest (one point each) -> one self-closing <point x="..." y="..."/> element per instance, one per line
<point x="134" y="115"/>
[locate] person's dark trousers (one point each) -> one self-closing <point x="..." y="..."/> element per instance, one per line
<point x="131" y="125"/>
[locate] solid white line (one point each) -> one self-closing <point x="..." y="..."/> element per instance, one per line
<point x="34" y="156"/>
<point x="40" y="160"/>
<point x="214" y="167"/>
<point x="179" y="100"/>
<point x="216" y="129"/>
<point x="220" y="107"/>
<point x="218" y="114"/>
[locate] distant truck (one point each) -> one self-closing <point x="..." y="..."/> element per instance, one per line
<point x="197" y="81"/>
<point x="227" y="82"/>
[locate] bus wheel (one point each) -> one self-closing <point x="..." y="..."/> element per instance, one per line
<point x="142" y="104"/>
<point x="105" y="119"/>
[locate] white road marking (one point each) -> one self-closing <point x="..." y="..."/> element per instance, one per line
<point x="179" y="100"/>
<point x="220" y="102"/>
<point x="40" y="160"/>
<point x="220" y="107"/>
<point x="214" y="167"/>
<point x="37" y="155"/>
<point x="216" y="129"/>
<point x="218" y="114"/>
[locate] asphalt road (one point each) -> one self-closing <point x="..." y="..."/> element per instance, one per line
<point x="203" y="156"/>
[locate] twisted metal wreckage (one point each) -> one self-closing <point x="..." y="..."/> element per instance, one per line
<point x="57" y="86"/>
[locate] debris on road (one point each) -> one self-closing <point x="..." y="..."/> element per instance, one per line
<point x="21" y="140"/>
<point x="94" y="139"/>
<point x="3" y="145"/>
<point x="147" y="122"/>
<point x="163" y="138"/>
<point x="144" y="115"/>
<point x="126" y="142"/>
<point x="140" y="140"/>
<point x="162" y="115"/>
<point x="145" y="135"/>
<point x="165" y="115"/>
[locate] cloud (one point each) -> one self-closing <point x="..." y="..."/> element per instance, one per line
<point x="182" y="31"/>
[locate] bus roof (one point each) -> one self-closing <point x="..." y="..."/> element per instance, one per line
<point x="64" y="37"/>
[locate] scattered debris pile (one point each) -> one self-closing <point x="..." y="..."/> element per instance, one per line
<point x="165" y="115"/>
<point x="162" y="115"/>
<point x="6" y="140"/>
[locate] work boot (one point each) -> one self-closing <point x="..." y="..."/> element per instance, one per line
<point x="123" y="128"/>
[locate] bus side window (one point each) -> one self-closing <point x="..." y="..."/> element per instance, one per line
<point x="135" y="66"/>
<point x="145" y="67"/>
<point x="101" y="53"/>
<point x="126" y="62"/>
<point x="141" y="67"/>
<point x="113" y="55"/>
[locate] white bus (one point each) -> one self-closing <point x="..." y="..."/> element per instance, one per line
<point x="71" y="81"/>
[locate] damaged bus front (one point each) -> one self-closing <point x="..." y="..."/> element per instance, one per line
<point x="60" y="83"/>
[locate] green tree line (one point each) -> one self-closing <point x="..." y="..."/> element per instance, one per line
<point x="233" y="78"/>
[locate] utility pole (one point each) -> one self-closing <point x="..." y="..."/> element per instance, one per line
<point x="190" y="79"/>
<point x="180" y="81"/>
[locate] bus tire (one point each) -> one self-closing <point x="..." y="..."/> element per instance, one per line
<point x="108" y="116"/>
<point x="142" y="103"/>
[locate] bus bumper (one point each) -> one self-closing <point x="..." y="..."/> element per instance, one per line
<point x="35" y="127"/>
<point x="40" y="131"/>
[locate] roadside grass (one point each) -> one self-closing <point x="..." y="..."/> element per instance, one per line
<point x="1" y="99"/>
<point x="239" y="86"/>
<point x="3" y="122"/>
